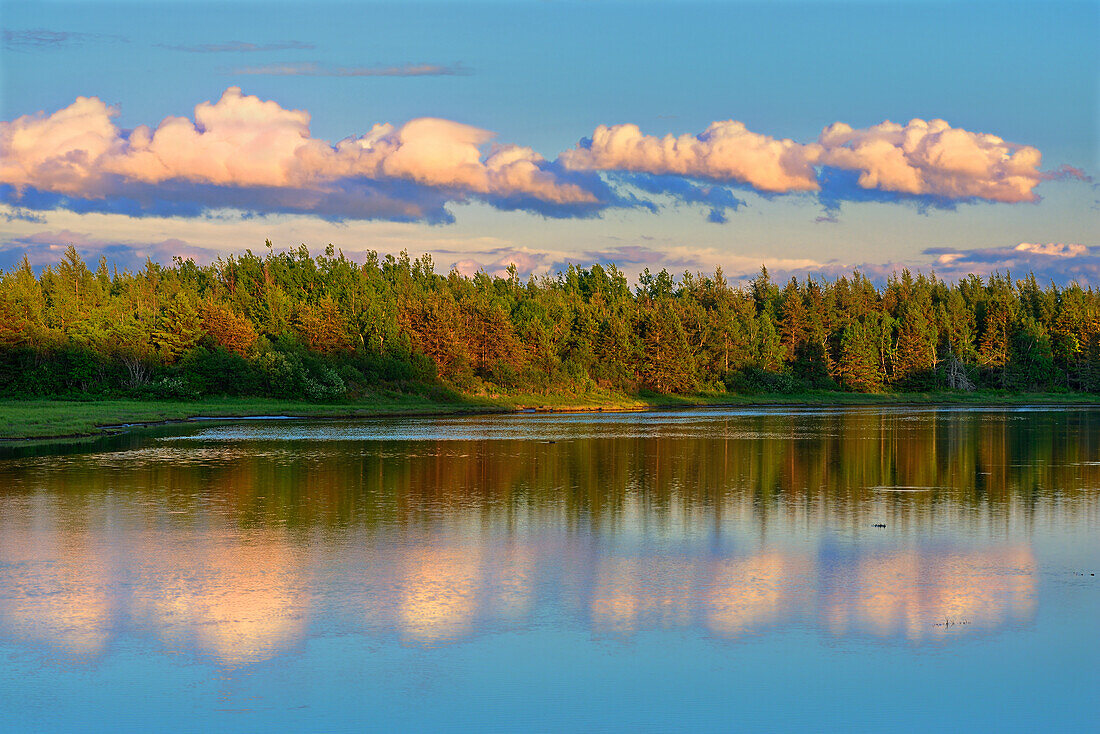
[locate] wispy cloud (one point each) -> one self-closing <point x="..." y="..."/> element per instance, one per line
<point x="314" y="69"/>
<point x="239" y="47"/>
<point x="1066" y="172"/>
<point x="15" y="214"/>
<point x="1061" y="263"/>
<point x="496" y="262"/>
<point x="42" y="38"/>
<point x="47" y="247"/>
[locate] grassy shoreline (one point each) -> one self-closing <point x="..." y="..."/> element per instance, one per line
<point x="38" y="420"/>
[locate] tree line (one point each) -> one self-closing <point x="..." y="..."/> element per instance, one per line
<point x="288" y="324"/>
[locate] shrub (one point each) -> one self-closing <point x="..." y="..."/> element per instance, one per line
<point x="757" y="380"/>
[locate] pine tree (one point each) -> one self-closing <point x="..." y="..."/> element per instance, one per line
<point x="858" y="366"/>
<point x="793" y="323"/>
<point x="179" y="328"/>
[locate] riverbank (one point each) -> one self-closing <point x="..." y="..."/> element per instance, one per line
<point x="23" y="420"/>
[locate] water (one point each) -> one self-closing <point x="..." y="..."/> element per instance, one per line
<point x="685" y="570"/>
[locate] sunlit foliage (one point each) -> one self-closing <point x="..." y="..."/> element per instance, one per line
<point x="294" y="325"/>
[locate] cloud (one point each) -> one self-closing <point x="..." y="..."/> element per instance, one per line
<point x="48" y="247"/>
<point x="782" y="272"/>
<point x="314" y="69"/>
<point x="1051" y="249"/>
<point x="496" y="261"/>
<point x="837" y="186"/>
<point x="1056" y="261"/>
<point x="258" y="157"/>
<point x="1061" y="263"/>
<point x="245" y="152"/>
<point x="641" y="256"/>
<point x="240" y="47"/>
<point x="42" y="38"/>
<point x="677" y="259"/>
<point x="1066" y="172"/>
<point x="15" y="214"/>
<point x="715" y="197"/>
<point x="920" y="159"/>
<point x="725" y="151"/>
<point x="631" y="259"/>
<point x="933" y="159"/>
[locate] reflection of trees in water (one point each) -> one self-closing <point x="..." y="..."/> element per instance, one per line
<point x="230" y="549"/>
<point x="820" y="466"/>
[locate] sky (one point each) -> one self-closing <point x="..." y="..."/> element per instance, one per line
<point x="810" y="137"/>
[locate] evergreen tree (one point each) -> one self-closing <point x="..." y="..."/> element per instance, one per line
<point x="858" y="366"/>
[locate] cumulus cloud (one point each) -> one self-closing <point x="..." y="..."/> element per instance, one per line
<point x="310" y="68"/>
<point x="919" y="159"/>
<point x="934" y="159"/>
<point x="258" y="156"/>
<point x="725" y="151"/>
<point x="255" y="154"/>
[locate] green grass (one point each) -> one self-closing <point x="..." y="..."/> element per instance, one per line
<point x="26" y="419"/>
<point x="22" y="420"/>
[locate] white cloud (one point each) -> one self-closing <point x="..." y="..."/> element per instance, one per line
<point x="255" y="155"/>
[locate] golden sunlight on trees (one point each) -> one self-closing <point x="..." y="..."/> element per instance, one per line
<point x="227" y="329"/>
<point x="318" y="327"/>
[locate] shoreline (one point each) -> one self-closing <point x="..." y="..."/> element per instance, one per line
<point x="24" y="422"/>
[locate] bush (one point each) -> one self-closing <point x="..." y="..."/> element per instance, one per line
<point x="174" y="386"/>
<point x="218" y="371"/>
<point x="757" y="380"/>
<point x="289" y="375"/>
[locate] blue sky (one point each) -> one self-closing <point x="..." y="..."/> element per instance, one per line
<point x="544" y="75"/>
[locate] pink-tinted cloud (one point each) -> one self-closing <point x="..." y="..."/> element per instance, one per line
<point x="255" y="155"/>
<point x="244" y="141"/>
<point x="933" y="158"/>
<point x="917" y="159"/>
<point x="497" y="262"/>
<point x="1057" y="261"/>
<point x="241" y="141"/>
<point x="1051" y="249"/>
<point x="725" y="151"/>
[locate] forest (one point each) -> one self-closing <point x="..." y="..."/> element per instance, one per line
<point x="288" y="324"/>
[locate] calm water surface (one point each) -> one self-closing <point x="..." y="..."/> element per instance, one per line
<point x="693" y="570"/>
